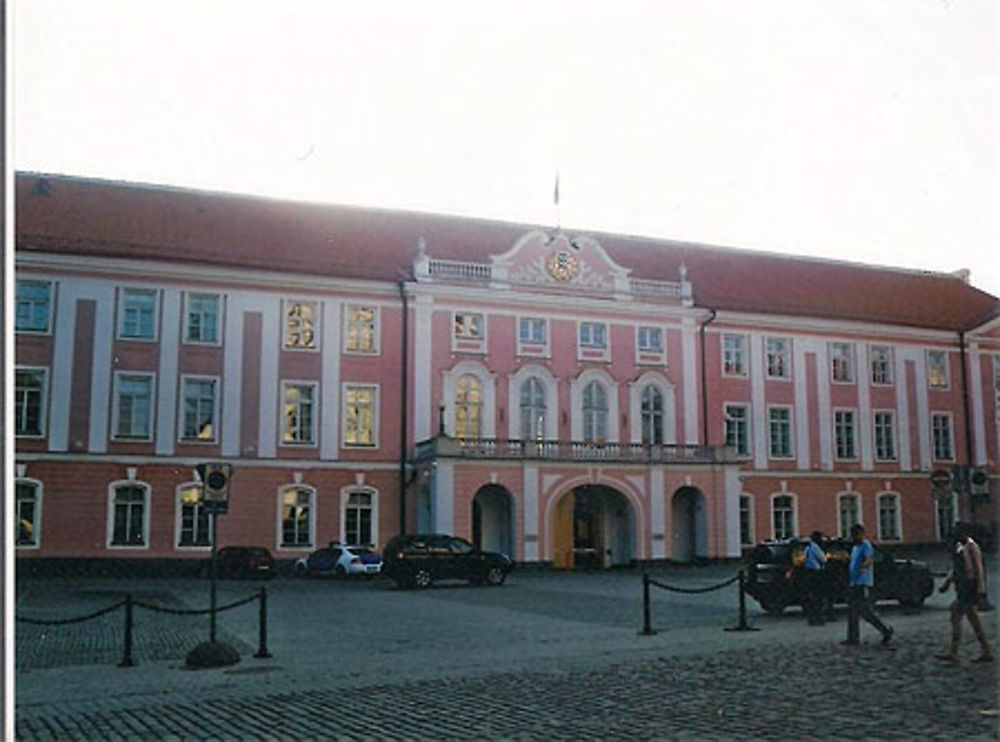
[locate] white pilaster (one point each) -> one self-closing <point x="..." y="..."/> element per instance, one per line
<point x="923" y="408"/>
<point x="270" y="385"/>
<point x="689" y="362"/>
<point x="166" y="385"/>
<point x="423" y="405"/>
<point x="734" y="488"/>
<point x="825" y="422"/>
<point x="758" y="403"/>
<point x="902" y="412"/>
<point x="864" y="408"/>
<point x="232" y="370"/>
<point x="329" y="406"/>
<point x="978" y="405"/>
<point x="530" y="512"/>
<point x="657" y="507"/>
<point x="443" y="511"/>
<point x="60" y="387"/>
<point x="801" y="389"/>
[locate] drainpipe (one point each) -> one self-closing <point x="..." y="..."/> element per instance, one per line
<point x="965" y="416"/>
<point x="704" y="385"/>
<point x="404" y="394"/>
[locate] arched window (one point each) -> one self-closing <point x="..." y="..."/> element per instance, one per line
<point x="652" y="416"/>
<point x="783" y="516"/>
<point x="129" y="514"/>
<point x="468" y="406"/>
<point x="360" y="518"/>
<point x="532" y="410"/>
<point x="595" y="413"/>
<point x="192" y="517"/>
<point x="296" y="517"/>
<point x="27" y="513"/>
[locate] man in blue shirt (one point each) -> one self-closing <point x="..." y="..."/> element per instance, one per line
<point x="860" y="581"/>
<point x="815" y="598"/>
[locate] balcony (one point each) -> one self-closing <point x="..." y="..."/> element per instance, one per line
<point x="568" y="451"/>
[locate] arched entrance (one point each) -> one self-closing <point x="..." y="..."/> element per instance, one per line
<point x="493" y="519"/>
<point x="690" y="524"/>
<point x="593" y="527"/>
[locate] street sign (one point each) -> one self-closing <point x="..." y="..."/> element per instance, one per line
<point x="941" y="479"/>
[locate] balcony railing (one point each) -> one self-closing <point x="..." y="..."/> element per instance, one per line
<point x="629" y="453"/>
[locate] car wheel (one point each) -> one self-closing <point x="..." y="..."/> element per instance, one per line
<point x="422" y="578"/>
<point x="340" y="573"/>
<point x="495" y="576"/>
<point x="301" y="569"/>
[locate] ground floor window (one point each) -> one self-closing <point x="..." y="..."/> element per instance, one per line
<point x="129" y="509"/>
<point x="783" y="516"/>
<point x="847" y="506"/>
<point x="888" y="517"/>
<point x="194" y="520"/>
<point x="26" y="514"/>
<point x="358" y="518"/>
<point x="746" y="520"/>
<point x="296" y="517"/>
<point x="947" y="514"/>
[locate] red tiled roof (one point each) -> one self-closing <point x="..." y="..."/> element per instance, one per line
<point x="93" y="217"/>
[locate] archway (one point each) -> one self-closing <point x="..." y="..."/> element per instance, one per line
<point x="493" y="519"/>
<point x="690" y="524"/>
<point x="593" y="528"/>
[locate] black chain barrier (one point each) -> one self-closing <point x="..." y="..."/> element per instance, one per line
<point x="647" y="628"/>
<point x="129" y="604"/>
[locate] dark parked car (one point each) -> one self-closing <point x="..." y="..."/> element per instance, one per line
<point x="420" y="559"/>
<point x="243" y="561"/>
<point x="775" y="575"/>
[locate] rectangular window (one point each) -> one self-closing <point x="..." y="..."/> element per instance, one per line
<point x="296" y="507"/>
<point x="531" y="331"/>
<point x="359" y="415"/>
<point x="937" y="369"/>
<point x="33" y="306"/>
<point x="737" y="428"/>
<point x="469" y="326"/>
<point x="845" y="434"/>
<point x="301" y="325"/>
<point x="649" y="339"/>
<point x="885" y="435"/>
<point x="944" y="449"/>
<point x="198" y="416"/>
<point x="361" y="334"/>
<point x="780" y="432"/>
<point x="848" y="513"/>
<point x="138" y="314"/>
<point x="298" y="426"/>
<point x="880" y="357"/>
<point x="746" y="521"/>
<point x="29" y="402"/>
<point x="842" y="362"/>
<point x="777" y="352"/>
<point x="193" y="529"/>
<point x="128" y="516"/>
<point x="26" y="514"/>
<point x="202" y="319"/>
<point x="133" y="411"/>
<point x="888" y="518"/>
<point x="358" y="519"/>
<point x="734" y="355"/>
<point x="593" y="335"/>
<point x="783" y="516"/>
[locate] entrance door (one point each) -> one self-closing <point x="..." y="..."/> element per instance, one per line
<point x="493" y="520"/>
<point x="592" y="528"/>
<point x="687" y="515"/>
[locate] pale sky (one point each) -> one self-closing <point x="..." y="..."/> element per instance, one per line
<point x="861" y="130"/>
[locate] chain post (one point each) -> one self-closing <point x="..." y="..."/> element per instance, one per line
<point x="262" y="625"/>
<point x="743" y="623"/>
<point x="127" y="656"/>
<point x="647" y="628"/>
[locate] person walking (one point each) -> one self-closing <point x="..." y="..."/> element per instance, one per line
<point x="970" y="585"/>
<point x="814" y="565"/>
<point x="860" y="581"/>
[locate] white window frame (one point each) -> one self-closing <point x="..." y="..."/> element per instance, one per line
<point x="280" y="530"/>
<point x="746" y="427"/>
<point x="345" y="496"/>
<point x="123" y="293"/>
<point x="50" y="305"/>
<point x="314" y="432"/>
<point x="951" y="436"/>
<point x="147" y="496"/>
<point x="178" y="521"/>
<point x="898" y="515"/>
<point x="875" y="437"/>
<point x="36" y="523"/>
<point x="487" y="420"/>
<point x="849" y="362"/>
<point x="376" y="327"/>
<point x="791" y="433"/>
<point x="116" y="406"/>
<point x="376" y="399"/>
<point x="551" y="387"/>
<point x="645" y="356"/>
<point x="469" y="434"/>
<point x="543" y="387"/>
<point x="181" y="438"/>
<point x="786" y="355"/>
<point x="527" y="347"/>
<point x="952" y="505"/>
<point x="752" y="526"/>
<point x="929" y="354"/>
<point x="43" y="407"/>
<point x="317" y="306"/>
<point x="663" y="412"/>
<point x="872" y="349"/>
<point x="188" y="311"/>
<point x="608" y="422"/>
<point x="852" y="455"/>
<point x="841" y="497"/>
<point x="735" y="359"/>
<point x="795" y="514"/>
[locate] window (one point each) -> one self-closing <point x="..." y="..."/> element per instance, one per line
<point x="888" y="517"/>
<point x="469" y="326"/>
<point x="296" y="517"/>
<point x="941" y="436"/>
<point x="361" y="335"/>
<point x="301" y="319"/>
<point x="133" y="412"/>
<point x="842" y="362"/>
<point x="780" y="432"/>
<point x="358" y="519"/>
<point x="595" y="413"/>
<point x="531" y="331"/>
<point x="29" y="402"/>
<point x="734" y="355"/>
<point x="27" y="502"/>
<point x="652" y="416"/>
<point x="193" y="525"/>
<point x="138" y="314"/>
<point x="881" y="365"/>
<point x="937" y="369"/>
<point x="885" y="435"/>
<point x="202" y="319"/>
<point x="844" y="434"/>
<point x="649" y="339"/>
<point x="783" y="516"/>
<point x="532" y="410"/>
<point x="128" y="514"/>
<point x="777" y="358"/>
<point x="947" y="516"/>
<point x="468" y="408"/>
<point x="33" y="306"/>
<point x="359" y="415"/>
<point x="199" y="409"/>
<point x="737" y="428"/>
<point x="847" y="506"/>
<point x="746" y="520"/>
<point x="300" y="413"/>
<point x="593" y="335"/>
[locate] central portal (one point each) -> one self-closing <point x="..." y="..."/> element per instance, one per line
<point x="593" y="528"/>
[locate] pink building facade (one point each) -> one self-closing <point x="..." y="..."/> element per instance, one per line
<point x="574" y="400"/>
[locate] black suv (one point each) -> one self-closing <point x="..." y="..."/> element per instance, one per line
<point x="420" y="559"/>
<point x="775" y="576"/>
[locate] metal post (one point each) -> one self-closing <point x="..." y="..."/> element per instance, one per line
<point x="647" y="628"/>
<point x="127" y="657"/>
<point x="262" y="624"/>
<point x="211" y="572"/>
<point x="743" y="624"/>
